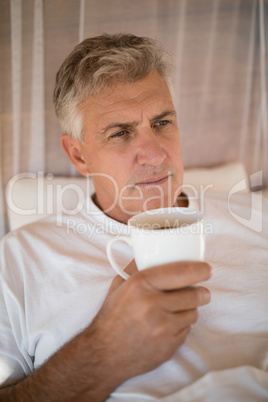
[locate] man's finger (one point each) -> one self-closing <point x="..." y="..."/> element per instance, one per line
<point x="177" y="275"/>
<point x="185" y="299"/>
<point x="131" y="269"/>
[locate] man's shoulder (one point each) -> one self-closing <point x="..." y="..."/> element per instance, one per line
<point x="44" y="223"/>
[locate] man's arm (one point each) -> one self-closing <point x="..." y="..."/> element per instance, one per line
<point x="140" y="325"/>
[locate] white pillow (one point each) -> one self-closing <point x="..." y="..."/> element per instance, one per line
<point x="219" y="178"/>
<point x="32" y="196"/>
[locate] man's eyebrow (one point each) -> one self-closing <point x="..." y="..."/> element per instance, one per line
<point x="165" y="114"/>
<point x="119" y="125"/>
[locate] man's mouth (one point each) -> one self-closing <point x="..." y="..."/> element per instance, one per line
<point x="156" y="180"/>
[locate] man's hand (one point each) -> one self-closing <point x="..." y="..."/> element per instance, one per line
<point x="140" y="325"/>
<point x="147" y="317"/>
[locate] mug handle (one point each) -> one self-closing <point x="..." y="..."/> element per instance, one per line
<point x="110" y="256"/>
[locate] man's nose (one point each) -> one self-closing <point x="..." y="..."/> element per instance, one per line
<point x="149" y="149"/>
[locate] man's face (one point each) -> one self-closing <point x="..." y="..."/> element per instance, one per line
<point x="132" y="147"/>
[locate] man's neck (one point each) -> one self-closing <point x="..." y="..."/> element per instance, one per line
<point x="182" y="202"/>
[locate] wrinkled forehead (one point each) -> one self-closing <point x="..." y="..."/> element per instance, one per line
<point x="150" y="95"/>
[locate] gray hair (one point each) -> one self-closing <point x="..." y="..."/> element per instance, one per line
<point x="99" y="62"/>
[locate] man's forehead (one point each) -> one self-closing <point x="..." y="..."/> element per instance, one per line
<point x="129" y="103"/>
<point x="137" y="112"/>
<point x="122" y="106"/>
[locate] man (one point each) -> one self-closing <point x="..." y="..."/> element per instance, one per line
<point x="72" y="330"/>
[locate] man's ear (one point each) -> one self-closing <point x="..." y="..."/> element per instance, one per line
<point x="72" y="147"/>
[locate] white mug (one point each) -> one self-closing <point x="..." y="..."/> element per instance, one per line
<point x="161" y="236"/>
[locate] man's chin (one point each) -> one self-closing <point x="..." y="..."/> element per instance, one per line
<point x="146" y="206"/>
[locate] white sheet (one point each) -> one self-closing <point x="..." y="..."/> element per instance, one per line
<point x="58" y="290"/>
<point x="245" y="384"/>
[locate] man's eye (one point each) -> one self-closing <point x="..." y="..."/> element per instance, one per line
<point x="119" y="134"/>
<point x="162" y="123"/>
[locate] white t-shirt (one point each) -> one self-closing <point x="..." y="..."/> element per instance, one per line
<point x="55" y="277"/>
